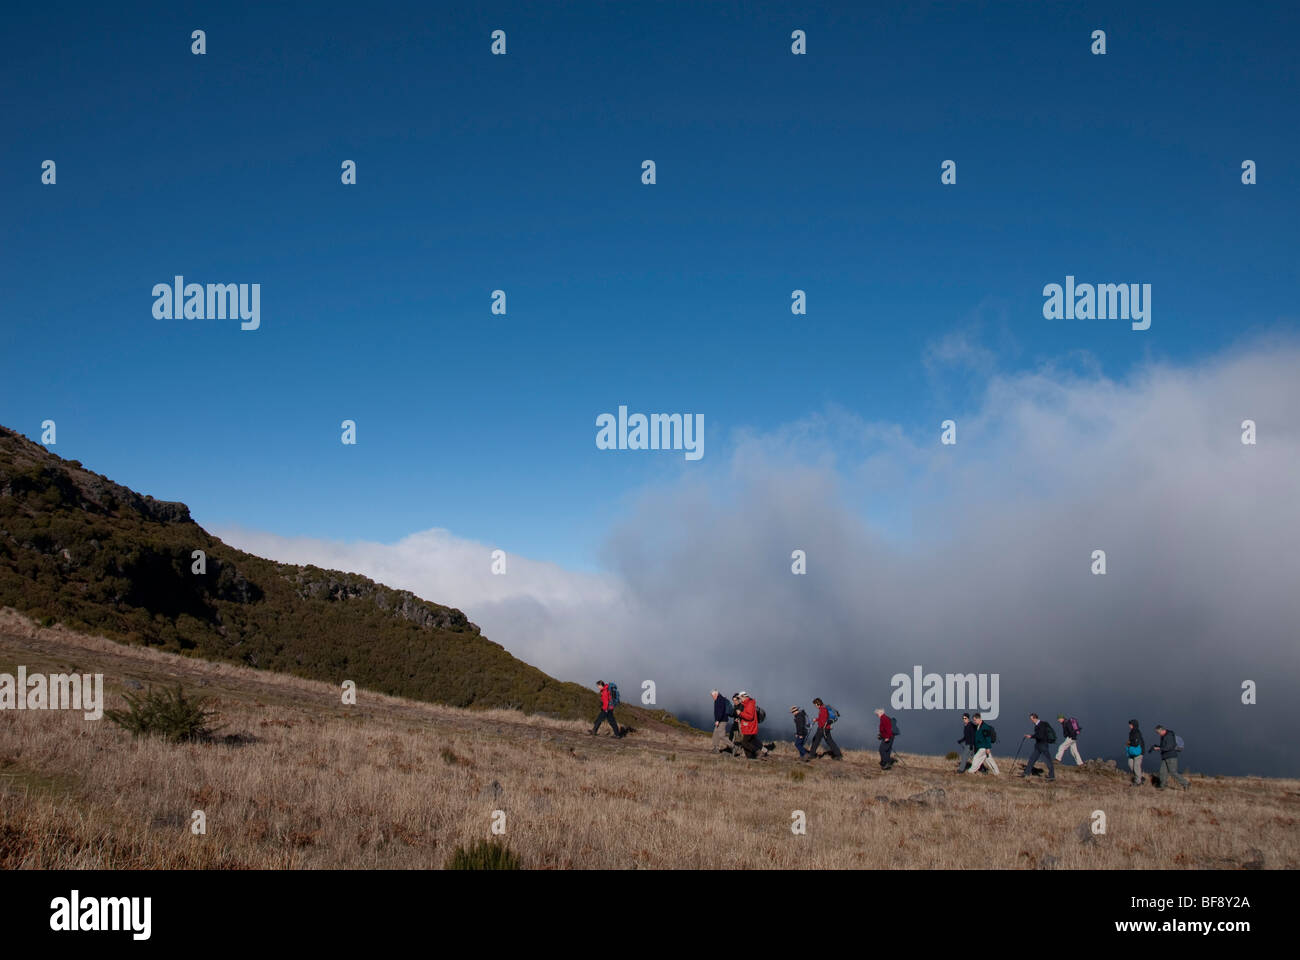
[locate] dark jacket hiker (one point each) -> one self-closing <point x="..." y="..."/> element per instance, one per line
<point x="800" y="729"/>
<point x="721" y="718"/>
<point x="1135" y="748"/>
<point x="1168" y="747"/>
<point x="1043" y="735"/>
<point x="966" y="742"/>
<point x="1069" y="739"/>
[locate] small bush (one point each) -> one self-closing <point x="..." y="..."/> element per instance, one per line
<point x="950" y="755"/>
<point x="165" y="713"/>
<point x="484" y="855"/>
<point x="452" y="758"/>
<point x="796" y="775"/>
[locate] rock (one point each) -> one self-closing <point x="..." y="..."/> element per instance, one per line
<point x="493" y="791"/>
<point x="1256" y="861"/>
<point x="1097" y="765"/>
<point x="134" y="685"/>
<point x="881" y="798"/>
<point x="1048" y="862"/>
<point x="1084" y="832"/>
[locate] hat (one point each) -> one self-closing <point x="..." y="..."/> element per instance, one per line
<point x="742" y="694"/>
<point x="794" y="709"/>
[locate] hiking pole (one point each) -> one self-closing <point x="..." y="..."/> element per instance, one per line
<point x="1017" y="756"/>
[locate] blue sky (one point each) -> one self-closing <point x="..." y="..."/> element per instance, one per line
<point x="522" y="172"/>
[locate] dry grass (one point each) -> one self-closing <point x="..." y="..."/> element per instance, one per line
<point x="397" y="783"/>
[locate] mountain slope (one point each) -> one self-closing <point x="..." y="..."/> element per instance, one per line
<point x="79" y="549"/>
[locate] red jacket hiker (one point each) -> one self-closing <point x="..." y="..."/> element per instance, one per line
<point x="749" y="717"/>
<point x="823" y="717"/>
<point x="605" y="697"/>
<point x="886" y="728"/>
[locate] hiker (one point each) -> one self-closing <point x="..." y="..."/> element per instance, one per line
<point x="1070" y="738"/>
<point x="720" y="715"/>
<point x="823" y="733"/>
<point x="800" y="730"/>
<point x="886" y="738"/>
<point x="733" y="719"/>
<point x="967" y="743"/>
<point x="1168" y="747"/>
<point x="1042" y="736"/>
<point x="606" y="709"/>
<point x="984" y="738"/>
<point x="1137" y="746"/>
<point x="749" y="741"/>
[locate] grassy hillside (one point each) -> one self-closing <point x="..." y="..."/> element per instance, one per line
<point x="298" y="780"/>
<point x="78" y="549"/>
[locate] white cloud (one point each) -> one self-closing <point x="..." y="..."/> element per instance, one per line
<point x="1200" y="531"/>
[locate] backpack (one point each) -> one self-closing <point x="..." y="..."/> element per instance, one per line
<point x="993" y="734"/>
<point x="1178" y="743"/>
<point x="832" y="715"/>
<point x="1051" y="734"/>
<point x="762" y="715"/>
<point x="613" y="695"/>
<point x="893" y="724"/>
<point x="1075" y="729"/>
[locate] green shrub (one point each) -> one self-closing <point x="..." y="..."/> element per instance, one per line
<point x="484" y="855"/>
<point x="950" y="755"/>
<point x="165" y="713"/>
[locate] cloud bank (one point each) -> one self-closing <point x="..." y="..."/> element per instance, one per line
<point x="969" y="558"/>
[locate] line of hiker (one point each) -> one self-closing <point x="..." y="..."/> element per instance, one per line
<point x="736" y="731"/>
<point x="736" y="723"/>
<point x="978" y="737"/>
<point x="744" y="711"/>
